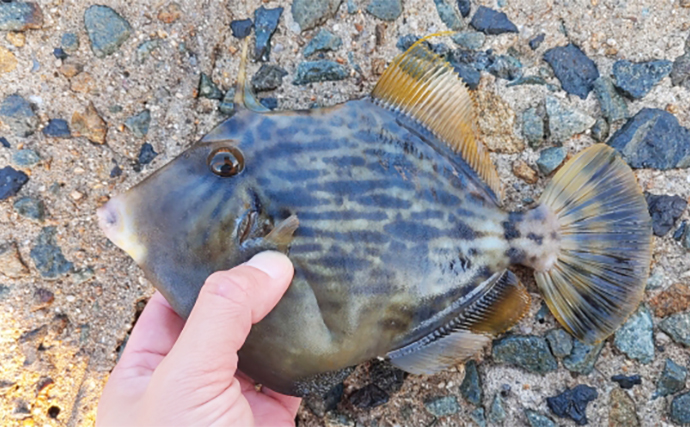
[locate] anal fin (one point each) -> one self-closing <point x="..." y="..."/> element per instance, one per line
<point x="498" y="304"/>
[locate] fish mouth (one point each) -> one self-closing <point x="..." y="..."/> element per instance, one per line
<point x="115" y="220"/>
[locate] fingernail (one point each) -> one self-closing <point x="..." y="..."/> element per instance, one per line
<point x="272" y="263"/>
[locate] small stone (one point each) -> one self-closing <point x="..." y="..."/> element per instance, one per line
<point x="146" y="154"/>
<point x="653" y="138"/>
<point x="627" y="382"/>
<point x="145" y="49"/>
<point x="42" y="298"/>
<point x="686" y="239"/>
<point x="4" y="142"/>
<point x="115" y="171"/>
<point x="449" y="15"/>
<point x="613" y="106"/>
<point x="471" y="387"/>
<point x="406" y="41"/>
<point x="464" y="7"/>
<point x="334" y="419"/>
<point x="47" y="255"/>
<point x="83" y="83"/>
<point x="227" y="105"/>
<point x="506" y="67"/>
<point x="680" y="231"/>
<point x="57" y="128"/>
<point x="82" y="275"/>
<point x="536" y="419"/>
<point x="20" y="16"/>
<point x="70" y="68"/>
<point x="321" y="405"/>
<point x="16" y="112"/>
<point x="89" y="125"/>
<point x="532" y="128"/>
<point x="600" y="130"/>
<point x="622" y="411"/>
<point x="386" y="376"/>
<point x="241" y="28"/>
<point x="4" y="292"/>
<point x="26" y="157"/>
<point x="676" y="326"/>
<point x="468" y="74"/>
<point x="672" y="379"/>
<point x="11" y="181"/>
<point x="11" y="264"/>
<point x="497" y="412"/>
<point x="442" y="406"/>
<point x="573" y="403"/>
<point x="537" y="41"/>
<point x="369" y="396"/>
<point x="70" y="42"/>
<point x="665" y="210"/>
<point x="636" y="337"/>
<point x="8" y="62"/>
<point x="523" y="171"/>
<point x="492" y="22"/>
<point x="472" y="40"/>
<point x="680" y="409"/>
<point x="270" y="103"/>
<point x="680" y="73"/>
<point x="311" y="13"/>
<point x="265" y="24"/>
<point x="496" y="122"/>
<point x="565" y="122"/>
<point x="31" y="208"/>
<point x="671" y="301"/>
<point x="170" y="13"/>
<point x="387" y="10"/>
<point x="323" y="41"/>
<point x="560" y="342"/>
<point x="107" y="30"/>
<point x="16" y="39"/>
<point x="319" y="71"/>
<point x="478" y="417"/>
<point x="76" y="195"/>
<point x="139" y="124"/>
<point x="528" y="352"/>
<point x="59" y="53"/>
<point x="208" y="89"/>
<point x="269" y="77"/>
<point x="550" y="159"/>
<point x="637" y="79"/>
<point x="583" y="357"/>
<point x="576" y="72"/>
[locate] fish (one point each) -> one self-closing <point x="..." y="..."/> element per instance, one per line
<point x="389" y="207"/>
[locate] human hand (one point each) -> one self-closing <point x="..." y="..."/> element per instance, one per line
<point x="177" y="373"/>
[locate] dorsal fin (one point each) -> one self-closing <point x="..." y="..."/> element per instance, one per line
<point x="424" y="86"/>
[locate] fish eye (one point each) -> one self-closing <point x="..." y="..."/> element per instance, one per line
<point x="226" y="161"/>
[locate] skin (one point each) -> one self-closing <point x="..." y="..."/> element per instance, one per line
<point x="174" y="372"/>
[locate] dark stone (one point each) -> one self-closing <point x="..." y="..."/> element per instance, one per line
<point x="319" y="71"/>
<point x="60" y="53"/>
<point x="31" y="208"/>
<point x="550" y="159"/>
<point x="208" y="89"/>
<point x="310" y="13"/>
<point x="269" y="77"/>
<point x="107" y="30"/>
<point x="387" y="10"/>
<point x="636" y="337"/>
<point x="478" y="417"/>
<point x="600" y="130"/>
<point x="573" y="68"/>
<point x="406" y="41"/>
<point x="47" y="255"/>
<point x="532" y="127"/>
<point x="26" y="157"/>
<point x="677" y="326"/>
<point x="16" y="112"/>
<point x="497" y="412"/>
<point x="139" y="124"/>
<point x="270" y="103"/>
<point x="680" y="409"/>
<point x="492" y="22"/>
<point x="20" y="16"/>
<point x="70" y="42"/>
<point x="654" y="139"/>
<point x="573" y="403"/>
<point x="471" y="387"/>
<point x="323" y="41"/>
<point x="4" y="142"/>
<point x="613" y="106"/>
<point x="672" y="379"/>
<point x="637" y="79"/>
<point x="320" y="405"/>
<point x="464" y="7"/>
<point x="227" y="105"/>
<point x="369" y="396"/>
<point x="680" y="231"/>
<point x="386" y="376"/>
<point x="537" y="419"/>
<point x="115" y="171"/>
<point x="527" y="352"/>
<point x="442" y="406"/>
<point x="680" y="74"/>
<point x="537" y="41"/>
<point x="11" y="181"/>
<point x="583" y="357"/>
<point x="665" y="211"/>
<point x="241" y="28"/>
<point x="468" y="74"/>
<point x="506" y="67"/>
<point x="627" y="382"/>
<point x="560" y="342"/>
<point x="265" y="24"/>
<point x="449" y="15"/>
<point x="57" y="128"/>
<point x="472" y="40"/>
<point x="146" y="154"/>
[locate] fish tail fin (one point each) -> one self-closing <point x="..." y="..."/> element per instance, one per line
<point x="598" y="276"/>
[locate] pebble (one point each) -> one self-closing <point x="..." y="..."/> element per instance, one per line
<point x="472" y="40"/>
<point x="449" y="15"/>
<point x="671" y="301"/>
<point x="17" y="39"/>
<point x="270" y="103"/>
<point x="321" y="405"/>
<point x="576" y="72"/>
<point x="227" y="105"/>
<point x="613" y="106"/>
<point x="583" y="357"/>
<point x="680" y="409"/>
<point x="170" y="13"/>
<point x="600" y="130"/>
<point x="627" y="382"/>
<point x="464" y="7"/>
<point x="386" y="10"/>
<point x="11" y="181"/>
<point x="471" y="387"/>
<point x="537" y="419"/>
<point x="82" y="275"/>
<point x="572" y="403"/>
<point x="47" y="255"/>
<point x="565" y="122"/>
<point x="636" y="337"/>
<point x="671" y="380"/>
<point x="4" y="142"/>
<point x="25" y="157"/>
<point x="107" y="30"/>
<point x="468" y="74"/>
<point x="386" y="376"/>
<point x="478" y="417"/>
<point x="537" y="41"/>
<point x="497" y="412"/>
<point x="146" y="154"/>
<point x="496" y="124"/>
<point x="265" y="24"/>
<point x="20" y="16"/>
<point x="208" y="89"/>
<point x="680" y="231"/>
<point x="57" y="128"/>
<point x="70" y="68"/>
<point x="319" y="71"/>
<point x="680" y="73"/>
<point x="89" y="125"/>
<point x="533" y="127"/>
<point x="241" y="28"/>
<point x="11" y="264"/>
<point x="145" y="49"/>
<point x="528" y="352"/>
<point x="442" y="406"/>
<point x="654" y="139"/>
<point x="310" y="13"/>
<point x="16" y="112"/>
<point x="269" y="77"/>
<point x="665" y="210"/>
<point x="31" y="208"/>
<point x="505" y="67"/>
<point x="83" y="83"/>
<point x="523" y="171"/>
<point x="686" y="239"/>
<point x="406" y="41"/>
<point x="492" y="22"/>
<point x="4" y="292"/>
<point x="69" y="42"/>
<point x="59" y="53"/>
<point x="676" y="326"/>
<point x="560" y="342"/>
<point x="622" y="412"/>
<point x="116" y="171"/>
<point x="323" y="41"/>
<point x="139" y="124"/>
<point x="369" y="396"/>
<point x="8" y="62"/>
<point x="550" y="159"/>
<point x="637" y="79"/>
<point x="335" y="419"/>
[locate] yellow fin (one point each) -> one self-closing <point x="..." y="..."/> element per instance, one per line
<point x="424" y="86"/>
<point x="244" y="97"/>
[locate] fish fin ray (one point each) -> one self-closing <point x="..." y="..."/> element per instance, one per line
<point x="283" y="232"/>
<point x="244" y="96"/>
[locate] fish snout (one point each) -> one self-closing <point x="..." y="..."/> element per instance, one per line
<point x="116" y="222"/>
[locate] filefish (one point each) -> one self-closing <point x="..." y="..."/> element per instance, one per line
<point x="389" y="207"/>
